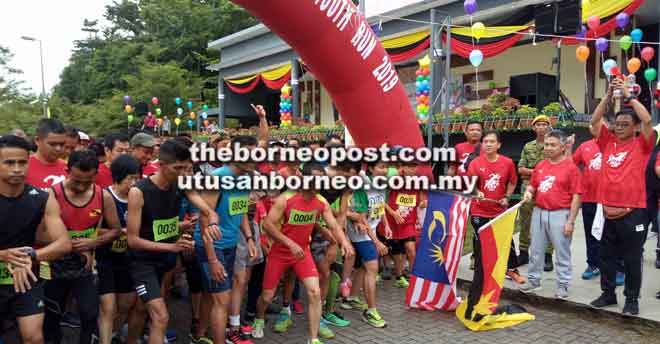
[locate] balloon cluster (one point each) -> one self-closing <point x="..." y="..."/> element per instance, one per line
<point x="286" y="107"/>
<point x="625" y="43"/>
<point x="128" y="109"/>
<point x="422" y="88"/>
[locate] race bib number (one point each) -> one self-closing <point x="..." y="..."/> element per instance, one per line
<point x="6" y="277"/>
<point x="166" y="228"/>
<point x="404" y="200"/>
<point x="45" y="271"/>
<point x="379" y="210"/>
<point x="89" y="233"/>
<point x="238" y="205"/>
<point x="298" y="217"/>
<point x="120" y="245"/>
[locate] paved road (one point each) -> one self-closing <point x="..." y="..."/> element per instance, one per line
<point x="554" y="324"/>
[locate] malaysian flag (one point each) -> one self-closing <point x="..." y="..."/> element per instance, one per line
<point x="433" y="278"/>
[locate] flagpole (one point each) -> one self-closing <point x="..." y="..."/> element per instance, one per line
<point x="506" y="212"/>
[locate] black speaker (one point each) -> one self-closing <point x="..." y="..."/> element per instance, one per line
<point x="558" y="17"/>
<point x="141" y="108"/>
<point x="536" y="89"/>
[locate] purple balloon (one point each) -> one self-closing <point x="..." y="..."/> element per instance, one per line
<point x="470" y="6"/>
<point x="622" y="19"/>
<point x="601" y="44"/>
<point x="127" y="99"/>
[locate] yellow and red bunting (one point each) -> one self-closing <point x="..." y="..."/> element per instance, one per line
<point x="274" y="79"/>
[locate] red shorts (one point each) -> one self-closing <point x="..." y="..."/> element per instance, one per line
<point x="277" y="265"/>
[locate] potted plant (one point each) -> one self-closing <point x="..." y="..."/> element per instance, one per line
<point x="526" y="114"/>
<point x="552" y="110"/>
<point x="500" y="114"/>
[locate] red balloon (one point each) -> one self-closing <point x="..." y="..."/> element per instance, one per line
<point x="593" y="22"/>
<point x="647" y="54"/>
<point x="426" y="72"/>
<point x="418" y="72"/>
<point x="614" y="70"/>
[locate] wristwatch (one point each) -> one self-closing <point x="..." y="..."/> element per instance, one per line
<point x="249" y="238"/>
<point x="32" y="253"/>
<point x="628" y="99"/>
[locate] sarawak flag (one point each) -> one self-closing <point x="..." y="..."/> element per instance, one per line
<point x="433" y="278"/>
<point x="480" y="311"/>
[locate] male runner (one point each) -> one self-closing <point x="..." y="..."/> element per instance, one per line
<point x="28" y="216"/>
<point x="45" y="168"/>
<point x="83" y="206"/>
<point x="298" y="212"/>
<point x="154" y="238"/>
<point x="115" y="144"/>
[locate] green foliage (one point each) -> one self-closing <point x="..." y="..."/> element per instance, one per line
<point x="17" y="109"/>
<point x="149" y="48"/>
<point x="527" y="110"/>
<point x="552" y="108"/>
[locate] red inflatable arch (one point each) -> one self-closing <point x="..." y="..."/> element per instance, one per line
<point x="341" y="50"/>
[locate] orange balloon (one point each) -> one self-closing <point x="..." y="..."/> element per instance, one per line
<point x="193" y="115"/>
<point x="582" y="53"/>
<point x="634" y="64"/>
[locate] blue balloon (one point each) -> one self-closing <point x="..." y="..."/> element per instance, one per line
<point x="177" y="100"/>
<point x="608" y="65"/>
<point x="190" y="123"/>
<point x="190" y="104"/>
<point x="418" y="84"/>
<point x="425" y="83"/>
<point x="476" y="57"/>
<point x="636" y="35"/>
<point x="205" y="115"/>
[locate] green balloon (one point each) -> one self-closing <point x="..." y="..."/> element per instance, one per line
<point x="130" y="118"/>
<point x="205" y="107"/>
<point x="650" y="74"/>
<point x="625" y="42"/>
<point x="158" y="111"/>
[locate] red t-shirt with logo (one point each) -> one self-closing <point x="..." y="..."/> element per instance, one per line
<point x="103" y="176"/>
<point x="300" y="216"/>
<point x="555" y="184"/>
<point x="622" y="181"/>
<point x="463" y="150"/>
<point x="493" y="180"/>
<point x="589" y="156"/>
<point x="150" y="168"/>
<point x="42" y="175"/>
<point x="406" y="203"/>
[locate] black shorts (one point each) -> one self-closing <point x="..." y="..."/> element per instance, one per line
<point x="17" y="305"/>
<point x="398" y="246"/>
<point x="193" y="274"/>
<point x="147" y="278"/>
<point x="114" y="280"/>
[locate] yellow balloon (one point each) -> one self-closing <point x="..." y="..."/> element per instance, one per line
<point x="286" y="90"/>
<point x="128" y="109"/>
<point x="177" y="121"/>
<point x="425" y="61"/>
<point x="478" y="30"/>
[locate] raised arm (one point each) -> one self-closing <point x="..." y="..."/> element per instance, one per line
<point x="601" y="110"/>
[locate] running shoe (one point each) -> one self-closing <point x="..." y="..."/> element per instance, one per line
<point x="237" y="337"/>
<point x="590" y="272"/>
<point x="529" y="288"/>
<point x="373" y="318"/>
<point x="201" y="340"/>
<point x="70" y="320"/>
<point x="401" y="282"/>
<point x="246" y="329"/>
<point x="258" y="328"/>
<point x="354" y="303"/>
<point x="283" y="322"/>
<point x="562" y="292"/>
<point x="333" y="318"/>
<point x="324" y="331"/>
<point x="314" y="341"/>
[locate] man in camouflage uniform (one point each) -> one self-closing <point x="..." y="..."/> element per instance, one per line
<point x="532" y="154"/>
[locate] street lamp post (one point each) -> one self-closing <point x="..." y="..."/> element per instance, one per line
<point x="43" y="83"/>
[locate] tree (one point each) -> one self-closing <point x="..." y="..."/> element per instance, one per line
<point x="18" y="108"/>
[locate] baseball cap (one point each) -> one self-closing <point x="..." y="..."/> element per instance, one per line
<point x="144" y="140"/>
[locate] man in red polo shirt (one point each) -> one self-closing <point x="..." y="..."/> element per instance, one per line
<point x="622" y="191"/>
<point x="115" y="144"/>
<point x="142" y="148"/>
<point x="473" y="132"/>
<point x="45" y="168"/>
<point x="556" y="183"/>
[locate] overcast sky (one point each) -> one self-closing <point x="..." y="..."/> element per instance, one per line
<point x="56" y="23"/>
